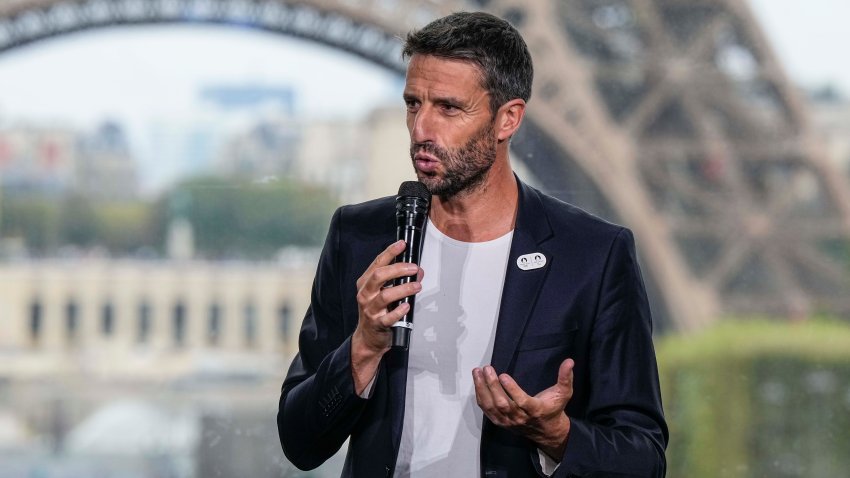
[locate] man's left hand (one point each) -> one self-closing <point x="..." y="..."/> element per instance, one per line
<point x="540" y="418"/>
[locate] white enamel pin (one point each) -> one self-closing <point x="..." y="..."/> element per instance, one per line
<point x="532" y="261"/>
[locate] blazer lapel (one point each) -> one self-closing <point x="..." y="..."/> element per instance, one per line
<point x="521" y="288"/>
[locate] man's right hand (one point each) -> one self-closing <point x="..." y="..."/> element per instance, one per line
<point x="372" y="338"/>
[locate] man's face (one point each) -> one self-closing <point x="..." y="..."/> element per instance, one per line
<point x="452" y="136"/>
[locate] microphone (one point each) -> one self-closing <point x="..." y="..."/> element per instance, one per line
<point x="411" y="215"/>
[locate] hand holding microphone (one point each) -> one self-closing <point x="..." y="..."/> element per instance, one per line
<point x="386" y="290"/>
<point x="411" y="215"/>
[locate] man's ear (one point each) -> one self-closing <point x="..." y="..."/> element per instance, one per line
<point x="508" y="118"/>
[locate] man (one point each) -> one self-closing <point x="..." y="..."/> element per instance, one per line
<point x="531" y="353"/>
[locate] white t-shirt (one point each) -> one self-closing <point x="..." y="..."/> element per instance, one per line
<point x="453" y="331"/>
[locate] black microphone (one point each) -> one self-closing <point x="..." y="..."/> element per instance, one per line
<point x="411" y="216"/>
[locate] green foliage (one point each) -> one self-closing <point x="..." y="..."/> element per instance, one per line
<point x="125" y="227"/>
<point x="838" y="250"/>
<point x="230" y="218"/>
<point x="758" y="398"/>
<point x="34" y="218"/>
<point x="236" y="218"/>
<point x="77" y="222"/>
<point x="47" y="223"/>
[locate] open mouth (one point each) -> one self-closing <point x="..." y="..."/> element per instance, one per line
<point x="425" y="163"/>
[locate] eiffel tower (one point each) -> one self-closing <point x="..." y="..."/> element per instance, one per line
<point x="673" y="117"/>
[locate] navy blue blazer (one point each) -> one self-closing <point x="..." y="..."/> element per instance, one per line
<point x="588" y="303"/>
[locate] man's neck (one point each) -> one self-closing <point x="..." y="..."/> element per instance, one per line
<point x="484" y="214"/>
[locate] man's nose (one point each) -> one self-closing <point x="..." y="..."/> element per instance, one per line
<point x="422" y="125"/>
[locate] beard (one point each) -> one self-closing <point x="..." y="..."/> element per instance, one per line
<point x="464" y="168"/>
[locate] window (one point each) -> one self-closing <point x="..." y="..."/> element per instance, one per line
<point x="214" y="324"/>
<point x="284" y="319"/>
<point x="107" y="320"/>
<point x="36" y="320"/>
<point x="72" y="321"/>
<point x="179" y="323"/>
<point x="143" y="329"/>
<point x="250" y="325"/>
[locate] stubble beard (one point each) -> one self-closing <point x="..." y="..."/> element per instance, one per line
<point x="464" y="168"/>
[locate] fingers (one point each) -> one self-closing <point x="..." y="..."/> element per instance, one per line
<point x="506" y="404"/>
<point x="375" y="301"/>
<point x="372" y="286"/>
<point x="375" y="294"/>
<point x="516" y="393"/>
<point x="497" y="405"/>
<point x="565" y="374"/>
<point x="387" y="295"/>
<point x="554" y="399"/>
<point x="381" y="271"/>
<point x="482" y="393"/>
<point x="388" y="255"/>
<point x="393" y="316"/>
<point x="385" y="258"/>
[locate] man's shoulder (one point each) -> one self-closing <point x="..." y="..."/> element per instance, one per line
<point x="376" y="214"/>
<point x="566" y="217"/>
<point x="373" y="207"/>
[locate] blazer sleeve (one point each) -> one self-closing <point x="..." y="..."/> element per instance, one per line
<point x="318" y="406"/>
<point x="623" y="433"/>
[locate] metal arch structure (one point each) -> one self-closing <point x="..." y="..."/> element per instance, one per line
<point x="675" y="111"/>
<point x="345" y="25"/>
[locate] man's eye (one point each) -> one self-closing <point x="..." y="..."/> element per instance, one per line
<point x="412" y="105"/>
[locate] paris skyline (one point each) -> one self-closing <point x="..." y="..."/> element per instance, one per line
<point x="149" y="79"/>
<point x="128" y="73"/>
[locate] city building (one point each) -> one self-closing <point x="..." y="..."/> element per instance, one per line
<point x="55" y="161"/>
<point x="388" y="160"/>
<point x="264" y="150"/>
<point x="159" y="320"/>
<point x="356" y="159"/>
<point x="831" y="119"/>
<point x="39" y="159"/>
<point x="106" y="168"/>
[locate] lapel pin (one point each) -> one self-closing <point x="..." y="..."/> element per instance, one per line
<point x="532" y="261"/>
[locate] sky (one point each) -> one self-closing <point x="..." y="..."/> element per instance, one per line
<point x="810" y="38"/>
<point x="152" y="74"/>
<point x="149" y="80"/>
<point x="158" y="71"/>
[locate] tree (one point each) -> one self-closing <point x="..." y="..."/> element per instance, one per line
<point x="237" y="218"/>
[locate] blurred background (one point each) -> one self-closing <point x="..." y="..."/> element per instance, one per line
<point x="168" y="169"/>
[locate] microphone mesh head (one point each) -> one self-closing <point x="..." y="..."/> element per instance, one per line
<point x="415" y="189"/>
